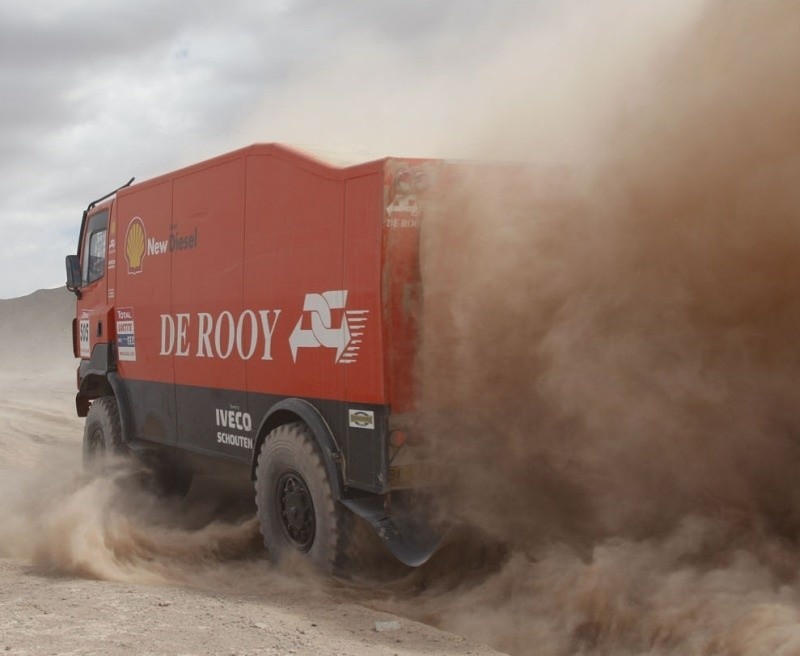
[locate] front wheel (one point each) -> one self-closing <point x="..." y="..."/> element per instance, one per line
<point x="102" y="442"/>
<point x="296" y="508"/>
<point x="102" y="434"/>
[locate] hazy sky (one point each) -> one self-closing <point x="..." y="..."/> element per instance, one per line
<point x="95" y="92"/>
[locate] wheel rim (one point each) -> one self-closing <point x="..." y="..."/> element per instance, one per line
<point x="296" y="510"/>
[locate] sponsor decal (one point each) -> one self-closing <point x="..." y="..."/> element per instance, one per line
<point x="233" y="419"/>
<point x="405" y="192"/>
<point x="126" y="335"/>
<point x="234" y="440"/>
<point x="362" y="418"/>
<point x="135" y="240"/>
<point x="175" y="242"/>
<point x="83" y="335"/>
<point x="346" y="338"/>
<point x="204" y="335"/>
<point x="403" y="212"/>
<point x="402" y="223"/>
<point x="138" y="244"/>
<point x="248" y="334"/>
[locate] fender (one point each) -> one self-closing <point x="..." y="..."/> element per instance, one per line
<point x="98" y="377"/>
<point x="93" y="376"/>
<point x="290" y="410"/>
<point x="123" y="405"/>
<point x="410" y="534"/>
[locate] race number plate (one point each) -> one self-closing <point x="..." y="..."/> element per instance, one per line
<point x="83" y="337"/>
<point x="418" y="474"/>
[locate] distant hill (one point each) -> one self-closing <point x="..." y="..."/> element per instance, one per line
<point x="36" y="330"/>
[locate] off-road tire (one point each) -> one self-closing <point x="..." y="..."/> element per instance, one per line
<point x="296" y="508"/>
<point x="102" y="434"/>
<point x="104" y="450"/>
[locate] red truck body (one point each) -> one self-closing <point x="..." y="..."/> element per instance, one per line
<point x="223" y="299"/>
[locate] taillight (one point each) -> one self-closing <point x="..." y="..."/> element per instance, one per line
<point x="397" y="439"/>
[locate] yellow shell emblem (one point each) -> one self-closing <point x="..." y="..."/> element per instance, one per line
<point x="135" y="240"/>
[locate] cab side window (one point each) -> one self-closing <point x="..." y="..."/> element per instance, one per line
<point x="97" y="255"/>
<point x="94" y="254"/>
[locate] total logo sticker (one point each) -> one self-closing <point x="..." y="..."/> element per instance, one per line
<point x="126" y="335"/>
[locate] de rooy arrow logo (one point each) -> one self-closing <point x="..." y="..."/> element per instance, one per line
<point x="345" y="338"/>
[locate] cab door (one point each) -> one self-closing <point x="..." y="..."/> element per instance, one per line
<point x="93" y="306"/>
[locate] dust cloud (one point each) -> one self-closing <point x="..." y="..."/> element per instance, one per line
<point x="107" y="525"/>
<point x="611" y="361"/>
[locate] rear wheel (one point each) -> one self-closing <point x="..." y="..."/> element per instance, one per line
<point x="296" y="508"/>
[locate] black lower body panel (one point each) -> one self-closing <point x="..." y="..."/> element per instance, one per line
<point x="223" y="425"/>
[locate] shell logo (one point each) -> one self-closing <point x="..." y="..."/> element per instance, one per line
<point x="135" y="240"/>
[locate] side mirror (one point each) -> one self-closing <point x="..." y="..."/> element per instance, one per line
<point x="74" y="274"/>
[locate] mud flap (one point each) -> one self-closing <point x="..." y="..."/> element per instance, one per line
<point x="409" y="535"/>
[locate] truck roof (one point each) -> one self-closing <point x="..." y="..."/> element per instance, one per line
<point x="346" y="165"/>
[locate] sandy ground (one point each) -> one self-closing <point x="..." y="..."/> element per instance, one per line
<point x="81" y="572"/>
<point x="46" y="613"/>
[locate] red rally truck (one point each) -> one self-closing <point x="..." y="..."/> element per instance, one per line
<point x="258" y="312"/>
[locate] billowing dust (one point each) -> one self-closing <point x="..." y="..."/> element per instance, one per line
<point x="610" y="360"/>
<point x="109" y="526"/>
<point x="612" y="364"/>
